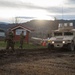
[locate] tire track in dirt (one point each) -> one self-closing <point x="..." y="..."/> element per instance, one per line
<point x="41" y="58"/>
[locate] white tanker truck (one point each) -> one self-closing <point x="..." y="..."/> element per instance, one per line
<point x="64" y="37"/>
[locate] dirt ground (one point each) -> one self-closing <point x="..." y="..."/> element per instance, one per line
<point x="37" y="62"/>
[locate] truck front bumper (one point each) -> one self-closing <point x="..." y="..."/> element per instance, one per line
<point x="58" y="46"/>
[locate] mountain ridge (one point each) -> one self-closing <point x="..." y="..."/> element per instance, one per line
<point x="37" y="24"/>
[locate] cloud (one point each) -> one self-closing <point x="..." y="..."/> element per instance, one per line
<point x="67" y="9"/>
<point x="18" y="4"/>
<point x="4" y="3"/>
<point x="70" y="3"/>
<point x="26" y="17"/>
<point x="60" y="9"/>
<point x="66" y="17"/>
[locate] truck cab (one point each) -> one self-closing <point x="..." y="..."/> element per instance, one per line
<point x="64" y="37"/>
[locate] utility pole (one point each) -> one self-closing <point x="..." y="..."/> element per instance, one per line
<point x="16" y="20"/>
<point x="62" y="12"/>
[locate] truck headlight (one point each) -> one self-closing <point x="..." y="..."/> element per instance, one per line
<point x="52" y="42"/>
<point x="63" y="42"/>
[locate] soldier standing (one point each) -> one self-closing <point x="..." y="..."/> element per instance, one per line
<point x="22" y="37"/>
<point x="9" y="40"/>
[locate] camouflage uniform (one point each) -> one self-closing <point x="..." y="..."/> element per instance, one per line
<point x="22" y="39"/>
<point x="9" y="40"/>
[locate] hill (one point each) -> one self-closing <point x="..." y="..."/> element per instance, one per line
<point x="41" y="27"/>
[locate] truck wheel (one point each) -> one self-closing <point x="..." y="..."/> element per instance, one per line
<point x="49" y="47"/>
<point x="71" y="46"/>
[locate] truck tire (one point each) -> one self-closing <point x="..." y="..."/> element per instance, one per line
<point x="71" y="46"/>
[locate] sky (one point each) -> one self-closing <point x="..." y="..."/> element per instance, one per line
<point x="26" y="10"/>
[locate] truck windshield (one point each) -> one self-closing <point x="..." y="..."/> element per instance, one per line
<point x="68" y="33"/>
<point x="57" y="34"/>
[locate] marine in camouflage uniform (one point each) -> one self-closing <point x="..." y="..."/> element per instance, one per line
<point x="9" y="40"/>
<point x="22" y="37"/>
